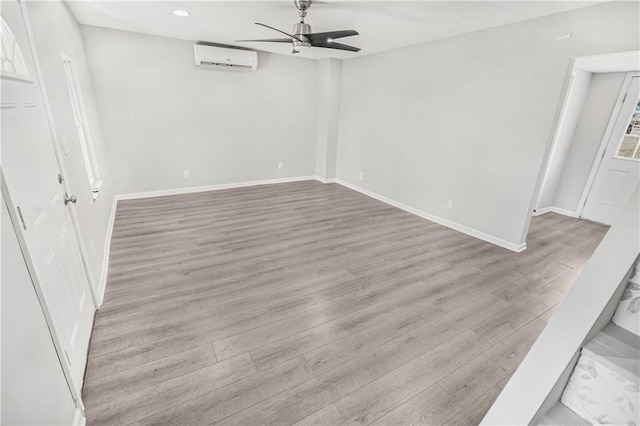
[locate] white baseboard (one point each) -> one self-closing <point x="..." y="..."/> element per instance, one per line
<point x="79" y="419"/>
<point x="445" y="222"/>
<point x="442" y="221"/>
<point x="106" y="252"/>
<point x="194" y="189"/>
<point x="540" y="212"/>
<point x="324" y="180"/>
<point x="557" y="210"/>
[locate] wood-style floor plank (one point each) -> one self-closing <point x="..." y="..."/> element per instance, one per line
<point x="432" y="406"/>
<point x="328" y="415"/>
<point x="179" y="390"/>
<point x="311" y="304"/>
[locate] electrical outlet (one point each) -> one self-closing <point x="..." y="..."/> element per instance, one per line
<point x="449" y="204"/>
<point x="280" y="165"/>
<point x="186" y="174"/>
<point x="361" y="175"/>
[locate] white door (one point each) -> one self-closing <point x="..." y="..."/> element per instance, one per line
<point x="31" y="173"/>
<point x="619" y="171"/>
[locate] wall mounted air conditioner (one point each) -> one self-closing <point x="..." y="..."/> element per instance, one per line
<point x="220" y="58"/>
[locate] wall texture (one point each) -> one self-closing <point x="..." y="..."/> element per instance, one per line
<point x="162" y="115"/>
<point x="56" y="32"/>
<point x="466" y="118"/>
<point x="596" y="113"/>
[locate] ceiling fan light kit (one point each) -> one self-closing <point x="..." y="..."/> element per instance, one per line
<point x="302" y="36"/>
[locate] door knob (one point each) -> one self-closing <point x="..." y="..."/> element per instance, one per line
<point x="68" y="199"/>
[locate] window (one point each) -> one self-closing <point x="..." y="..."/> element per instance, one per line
<point x="79" y="117"/>
<point x="11" y="58"/>
<point x="630" y="145"/>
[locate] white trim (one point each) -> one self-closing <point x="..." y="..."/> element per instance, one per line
<point x="11" y="76"/>
<point x="540" y="212"/>
<point x="106" y="252"/>
<point x="606" y="139"/>
<point x="557" y="210"/>
<point x="324" y="180"/>
<point x="76" y="98"/>
<point x="445" y="222"/>
<point x="609" y="62"/>
<point x="194" y="189"/>
<point x="79" y="419"/>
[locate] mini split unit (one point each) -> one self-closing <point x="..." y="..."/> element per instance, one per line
<point x="220" y="58"/>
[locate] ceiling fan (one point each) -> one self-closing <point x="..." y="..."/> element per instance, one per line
<point x="303" y="37"/>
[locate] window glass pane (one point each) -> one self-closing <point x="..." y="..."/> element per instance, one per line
<point x="10" y="53"/>
<point x="85" y="153"/>
<point x="83" y="132"/>
<point x="631" y="140"/>
<point x="72" y="93"/>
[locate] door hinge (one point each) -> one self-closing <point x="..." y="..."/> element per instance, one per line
<point x="24" y="226"/>
<point x="624" y="98"/>
<point x="60" y="178"/>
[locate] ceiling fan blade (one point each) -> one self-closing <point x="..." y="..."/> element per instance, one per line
<point x="269" y="40"/>
<point x="334" y="45"/>
<point x="320" y="37"/>
<point x="282" y="32"/>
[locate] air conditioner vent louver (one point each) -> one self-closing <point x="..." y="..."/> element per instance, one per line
<point x="212" y="65"/>
<point x="220" y="58"/>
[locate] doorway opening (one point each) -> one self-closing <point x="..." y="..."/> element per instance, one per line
<point x="617" y="172"/>
<point x="588" y="130"/>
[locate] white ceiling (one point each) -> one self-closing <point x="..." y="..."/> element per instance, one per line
<point x="382" y="25"/>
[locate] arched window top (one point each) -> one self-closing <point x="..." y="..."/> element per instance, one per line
<point x="10" y="53"/>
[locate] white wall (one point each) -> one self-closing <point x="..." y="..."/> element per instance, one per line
<point x="162" y="115"/>
<point x="596" y="113"/>
<point x="466" y="118"/>
<point x="576" y="94"/>
<point x="329" y="87"/>
<point x="56" y="32"/>
<point x="34" y="390"/>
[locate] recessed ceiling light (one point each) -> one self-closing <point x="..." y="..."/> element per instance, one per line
<point x="181" y="12"/>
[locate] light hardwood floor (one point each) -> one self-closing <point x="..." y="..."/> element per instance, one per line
<point x="306" y="303"/>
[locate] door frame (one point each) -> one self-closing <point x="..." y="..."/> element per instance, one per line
<point x="611" y="62"/>
<point x="76" y="394"/>
<point x="93" y="284"/>
<point x="606" y="140"/>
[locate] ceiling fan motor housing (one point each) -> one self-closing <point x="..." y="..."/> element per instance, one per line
<point x="299" y="30"/>
<point x="302" y="4"/>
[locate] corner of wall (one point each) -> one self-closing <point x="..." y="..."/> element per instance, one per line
<point x="104" y="273"/>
